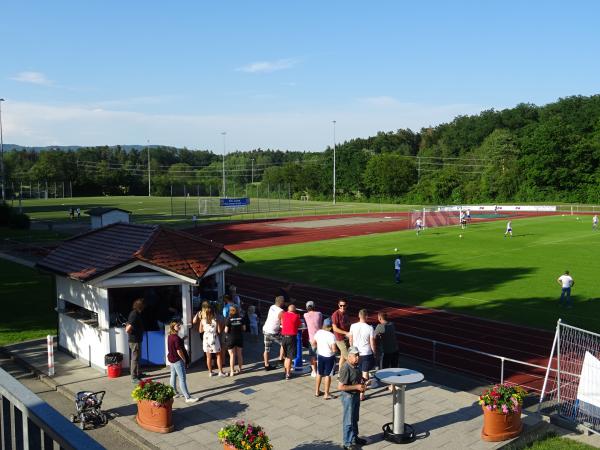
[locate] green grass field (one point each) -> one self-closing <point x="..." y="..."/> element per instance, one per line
<point x="27" y="303"/>
<point x="158" y="209"/>
<point x="482" y="274"/>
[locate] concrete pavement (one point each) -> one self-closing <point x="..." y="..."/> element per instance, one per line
<point x="443" y="417"/>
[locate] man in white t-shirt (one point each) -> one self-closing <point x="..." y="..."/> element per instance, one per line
<point x="566" y="282"/>
<point x="419" y="225"/>
<point x="595" y="222"/>
<point x="324" y="341"/>
<point x="397" y="266"/>
<point x="362" y="337"/>
<point x="272" y="330"/>
<point x="508" y="229"/>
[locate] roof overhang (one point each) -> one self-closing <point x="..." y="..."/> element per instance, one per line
<point x="114" y="273"/>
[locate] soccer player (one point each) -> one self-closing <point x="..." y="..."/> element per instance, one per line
<point x="595" y="222"/>
<point x="468" y="215"/>
<point x="419" y="225"/>
<point x="508" y="229"/>
<point x="397" y="266"/>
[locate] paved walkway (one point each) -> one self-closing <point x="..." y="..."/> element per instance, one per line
<point x="292" y="416"/>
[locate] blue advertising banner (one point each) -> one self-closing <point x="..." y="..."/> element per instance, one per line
<point x="234" y="202"/>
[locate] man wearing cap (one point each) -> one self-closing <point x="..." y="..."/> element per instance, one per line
<point x="352" y="385"/>
<point x="314" y="321"/>
<point x="324" y="341"/>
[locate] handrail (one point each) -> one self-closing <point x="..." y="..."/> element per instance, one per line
<point x="36" y="416"/>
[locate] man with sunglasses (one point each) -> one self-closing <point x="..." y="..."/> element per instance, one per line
<point x="341" y="327"/>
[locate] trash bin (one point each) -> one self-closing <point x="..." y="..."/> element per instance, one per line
<point x="112" y="361"/>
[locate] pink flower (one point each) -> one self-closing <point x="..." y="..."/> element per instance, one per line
<point x="505" y="409"/>
<point x="489" y="407"/>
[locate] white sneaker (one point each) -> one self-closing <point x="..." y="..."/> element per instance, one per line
<point x="210" y="374"/>
<point x="222" y="374"/>
<point x="313" y="374"/>
<point x="191" y="399"/>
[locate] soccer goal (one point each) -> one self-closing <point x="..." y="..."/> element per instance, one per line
<point x="434" y="217"/>
<point x="572" y="381"/>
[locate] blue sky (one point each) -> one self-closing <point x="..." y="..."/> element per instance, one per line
<point x="274" y="74"/>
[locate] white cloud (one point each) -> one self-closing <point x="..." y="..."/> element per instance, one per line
<point x="32" y="77"/>
<point x="310" y="129"/>
<point x="268" y="66"/>
<point x="383" y="101"/>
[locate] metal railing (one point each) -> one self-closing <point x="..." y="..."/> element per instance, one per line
<point x="27" y="422"/>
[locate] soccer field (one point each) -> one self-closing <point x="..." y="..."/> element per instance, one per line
<point x="179" y="210"/>
<point x="482" y="274"/>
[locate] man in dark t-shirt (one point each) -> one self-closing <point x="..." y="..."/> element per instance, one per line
<point x="351" y="384"/>
<point x="135" y="329"/>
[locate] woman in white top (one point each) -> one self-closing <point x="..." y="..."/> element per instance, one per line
<point x="210" y="340"/>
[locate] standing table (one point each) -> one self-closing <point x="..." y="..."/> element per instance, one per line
<point x="398" y="431"/>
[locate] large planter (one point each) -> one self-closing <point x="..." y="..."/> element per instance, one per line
<point x="153" y="417"/>
<point x="228" y="447"/>
<point x="500" y="427"/>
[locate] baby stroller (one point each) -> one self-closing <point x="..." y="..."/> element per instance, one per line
<point x="89" y="409"/>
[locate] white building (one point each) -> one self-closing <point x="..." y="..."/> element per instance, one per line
<point x="100" y="273"/>
<point x="102" y="217"/>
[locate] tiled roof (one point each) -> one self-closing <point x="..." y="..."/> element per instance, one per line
<point x="100" y="211"/>
<point x="100" y="251"/>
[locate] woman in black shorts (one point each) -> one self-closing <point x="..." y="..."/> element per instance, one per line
<point x="234" y="338"/>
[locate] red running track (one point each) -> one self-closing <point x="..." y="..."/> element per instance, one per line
<point x="510" y="341"/>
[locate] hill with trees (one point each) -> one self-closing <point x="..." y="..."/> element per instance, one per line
<point x="525" y="153"/>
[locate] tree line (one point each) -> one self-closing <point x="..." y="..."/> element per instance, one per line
<point x="525" y="153"/>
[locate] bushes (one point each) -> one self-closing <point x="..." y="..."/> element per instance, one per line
<point x="9" y="217"/>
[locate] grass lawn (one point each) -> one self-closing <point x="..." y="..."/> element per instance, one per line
<point x="482" y="273"/>
<point x="158" y="209"/>
<point x="27" y="304"/>
<point x="555" y="443"/>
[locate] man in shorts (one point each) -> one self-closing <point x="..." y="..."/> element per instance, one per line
<point x="272" y="330"/>
<point x="324" y="341"/>
<point x="341" y="327"/>
<point x="595" y="222"/>
<point x="508" y="229"/>
<point x="314" y="321"/>
<point x="362" y="337"/>
<point x="290" y="322"/>
<point x="419" y="225"/>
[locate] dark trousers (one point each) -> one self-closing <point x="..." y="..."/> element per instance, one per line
<point x="134" y="365"/>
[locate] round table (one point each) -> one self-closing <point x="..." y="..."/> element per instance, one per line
<point x="398" y="431"/>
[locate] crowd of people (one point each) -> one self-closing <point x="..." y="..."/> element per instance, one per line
<point x="358" y="345"/>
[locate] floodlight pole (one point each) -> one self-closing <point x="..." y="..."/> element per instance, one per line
<point x="149" y="184"/>
<point x="252" y="160"/>
<point x="2" y="152"/>
<point x="224" y="133"/>
<point x="334" y="162"/>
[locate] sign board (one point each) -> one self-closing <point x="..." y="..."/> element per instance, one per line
<point x="589" y="382"/>
<point x="540" y="208"/>
<point x="234" y="202"/>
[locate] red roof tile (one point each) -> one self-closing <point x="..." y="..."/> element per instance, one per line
<point x="100" y="251"/>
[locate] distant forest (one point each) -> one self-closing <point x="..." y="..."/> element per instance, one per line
<point x="527" y="153"/>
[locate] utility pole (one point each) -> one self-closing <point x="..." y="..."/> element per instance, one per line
<point x="224" y="133"/>
<point x="2" y="153"/>
<point x="334" y="162"/>
<point x="149" y="184"/>
<point x="252" y="160"/>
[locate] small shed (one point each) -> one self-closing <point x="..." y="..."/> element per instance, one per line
<point x="100" y="273"/>
<point x="102" y="217"/>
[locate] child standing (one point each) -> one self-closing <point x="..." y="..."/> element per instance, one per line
<point x="253" y="322"/>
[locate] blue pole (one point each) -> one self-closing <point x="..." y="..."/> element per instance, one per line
<point x="298" y="360"/>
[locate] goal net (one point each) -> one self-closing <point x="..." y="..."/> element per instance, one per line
<point x="572" y="381"/>
<point x="434" y="217"/>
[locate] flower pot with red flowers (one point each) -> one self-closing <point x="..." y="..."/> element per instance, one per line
<point x="242" y="435"/>
<point x="155" y="406"/>
<point x="502" y="405"/>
